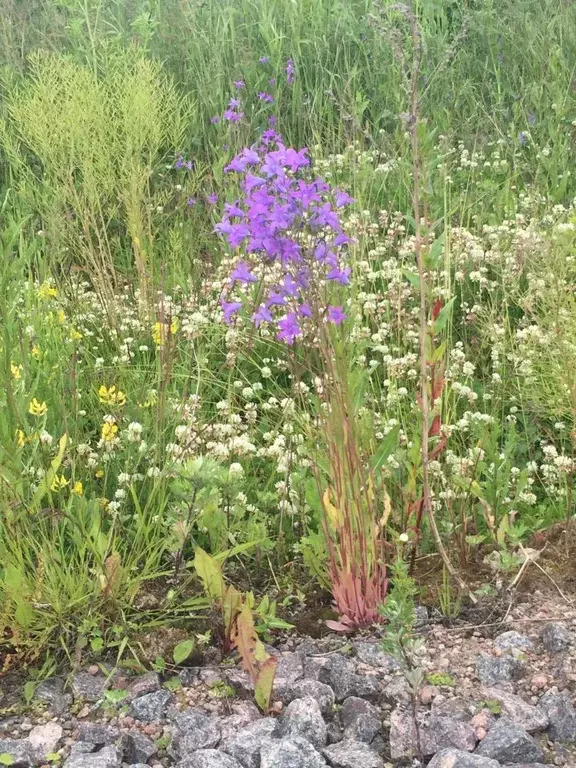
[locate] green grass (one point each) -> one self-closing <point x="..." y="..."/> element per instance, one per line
<point x="110" y="279"/>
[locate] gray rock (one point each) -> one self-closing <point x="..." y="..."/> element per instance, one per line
<point x="290" y="669"/>
<point x="318" y="668"/>
<point x="525" y="765"/>
<point x="530" y="718"/>
<point x="334" y="732"/>
<point x="454" y="758"/>
<point x="51" y="692"/>
<point x="456" y="708"/>
<point x="361" y="720"/>
<point x="508" y="742"/>
<point x="352" y="754"/>
<point x="209" y="758"/>
<point x="151" y="707"/>
<point x="313" y="689"/>
<point x="561" y="714"/>
<point x="240" y="681"/>
<point x="136" y="747"/>
<point x="244" y="713"/>
<point x="555" y="637"/>
<point x="83" y="748"/>
<point x="139" y="765"/>
<point x="97" y="733"/>
<point x="147" y="683"/>
<point x="290" y="753"/>
<point x="345" y="682"/>
<point x="194" y="729"/>
<point x="303" y="717"/>
<point x="403" y="736"/>
<point x="245" y="746"/>
<point x="45" y="738"/>
<point x="443" y="732"/>
<point x="397" y="691"/>
<point x="492" y="670"/>
<point x="89" y="687"/>
<point x="107" y="757"/>
<point x="421" y="615"/>
<point x="512" y="641"/>
<point x="20" y="750"/>
<point x="372" y="655"/>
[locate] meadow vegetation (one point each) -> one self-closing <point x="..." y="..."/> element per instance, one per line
<point x="236" y="348"/>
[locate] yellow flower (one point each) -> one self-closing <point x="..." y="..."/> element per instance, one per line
<point x="58" y="483"/>
<point x="78" y="488"/>
<point x="20" y="438"/>
<point x="36" y="351"/>
<point x="109" y="431"/>
<point x="16" y="371"/>
<point x="75" y="335"/>
<point x="61" y="316"/>
<point x="150" y="401"/>
<point x="47" y="291"/>
<point x="99" y="473"/>
<point x="36" y="408"/>
<point x="163" y="330"/>
<point x="111" y="396"/>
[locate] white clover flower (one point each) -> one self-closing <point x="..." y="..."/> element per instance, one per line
<point x="236" y="470"/>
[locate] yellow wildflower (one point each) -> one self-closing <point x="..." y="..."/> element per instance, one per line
<point x="150" y="401"/>
<point x="58" y="483"/>
<point x="75" y="335"/>
<point x="20" y="438"/>
<point x="111" y="396"/>
<point x="61" y="316"/>
<point x="37" y="408"/>
<point x="163" y="330"/>
<point x="47" y="291"/>
<point x="16" y="371"/>
<point x="36" y="351"/>
<point x="109" y="431"/>
<point x="78" y="488"/>
<point x="99" y="473"/>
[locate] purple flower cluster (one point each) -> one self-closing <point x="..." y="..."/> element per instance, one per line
<point x="181" y="163"/>
<point x="287" y="225"/>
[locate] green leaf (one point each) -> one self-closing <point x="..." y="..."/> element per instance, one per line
<point x="385" y="449"/>
<point x="173" y="683"/>
<point x="412" y="278"/>
<point x="116" y="695"/>
<point x="6" y="759"/>
<point x="28" y="690"/>
<point x="183" y="650"/>
<point x="443" y="316"/>
<point x="210" y="573"/>
<point x="436" y="251"/>
<point x="96" y="644"/>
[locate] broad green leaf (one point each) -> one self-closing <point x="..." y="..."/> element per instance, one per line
<point x="210" y="573"/>
<point x="183" y="650"/>
<point x="116" y="695"/>
<point x="385" y="449"/>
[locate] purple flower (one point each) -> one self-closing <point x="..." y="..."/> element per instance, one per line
<point x="288" y="328"/>
<point x="239" y="84"/>
<point x="523" y="138"/>
<point x="341" y="276"/>
<point x="264" y="59"/>
<point x="290" y="72"/>
<point x="532" y="118"/>
<point x="179" y="162"/>
<point x="230" y="308"/>
<point x="273" y="120"/>
<point x="272" y="81"/>
<point x="233" y="117"/>
<point x="215" y="120"/>
<point x="233" y="103"/>
<point x="336" y="315"/>
<point x="212" y="198"/>
<point x="191" y="201"/>
<point x="242" y="273"/>
<point x="304" y="310"/>
<point x="326" y="217"/>
<point x="232" y="209"/>
<point x="342" y="198"/>
<point x="263" y="96"/>
<point x="262" y="315"/>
